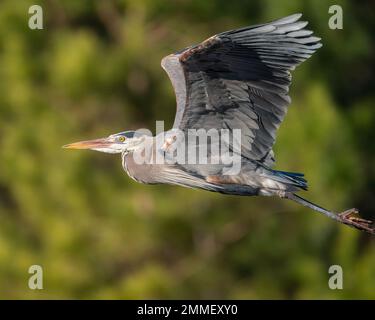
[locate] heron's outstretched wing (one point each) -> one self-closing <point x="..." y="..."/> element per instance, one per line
<point x="240" y="80"/>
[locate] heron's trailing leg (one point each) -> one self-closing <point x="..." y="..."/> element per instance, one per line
<point x="347" y="217"/>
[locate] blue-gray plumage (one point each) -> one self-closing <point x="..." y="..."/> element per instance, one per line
<point x="235" y="80"/>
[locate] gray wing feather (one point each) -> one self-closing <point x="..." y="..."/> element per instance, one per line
<point x="240" y="79"/>
<point x="172" y="66"/>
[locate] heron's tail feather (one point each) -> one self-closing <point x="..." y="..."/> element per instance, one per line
<point x="292" y="178"/>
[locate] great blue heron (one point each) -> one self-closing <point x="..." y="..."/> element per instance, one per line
<point x="237" y="79"/>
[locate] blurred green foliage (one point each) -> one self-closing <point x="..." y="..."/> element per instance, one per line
<point x="95" y="70"/>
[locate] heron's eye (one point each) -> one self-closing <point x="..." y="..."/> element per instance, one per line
<point x="121" y="138"/>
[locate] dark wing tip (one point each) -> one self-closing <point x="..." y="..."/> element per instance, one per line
<point x="286" y="36"/>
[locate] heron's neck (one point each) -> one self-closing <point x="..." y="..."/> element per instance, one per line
<point x="140" y="172"/>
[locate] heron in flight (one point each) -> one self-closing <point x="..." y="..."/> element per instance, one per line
<point x="238" y="81"/>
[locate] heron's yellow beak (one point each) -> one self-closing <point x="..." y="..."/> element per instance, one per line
<point x="89" y="144"/>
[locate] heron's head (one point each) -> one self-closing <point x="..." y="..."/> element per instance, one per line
<point x="126" y="141"/>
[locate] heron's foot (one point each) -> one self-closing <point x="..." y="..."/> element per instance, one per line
<point x="349" y="217"/>
<point x="168" y="142"/>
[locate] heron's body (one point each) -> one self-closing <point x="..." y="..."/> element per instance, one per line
<point x="254" y="177"/>
<point x="238" y="81"/>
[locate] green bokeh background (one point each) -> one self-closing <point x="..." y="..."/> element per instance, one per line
<point x="95" y="70"/>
